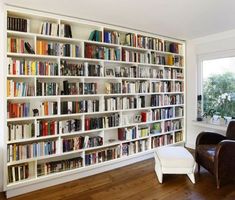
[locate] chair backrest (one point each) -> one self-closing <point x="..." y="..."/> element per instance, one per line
<point x="231" y="131"/>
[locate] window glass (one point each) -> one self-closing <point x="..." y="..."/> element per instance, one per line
<point x="218" y="89"/>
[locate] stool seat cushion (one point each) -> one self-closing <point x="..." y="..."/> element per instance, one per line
<point x="175" y="157"/>
<point x="174" y="160"/>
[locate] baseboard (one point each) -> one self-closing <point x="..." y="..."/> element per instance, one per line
<point x="106" y="166"/>
<point x="191" y="146"/>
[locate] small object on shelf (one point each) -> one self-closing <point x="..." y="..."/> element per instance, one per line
<point x="28" y="48"/>
<point x="35" y="112"/>
<point x="111" y="140"/>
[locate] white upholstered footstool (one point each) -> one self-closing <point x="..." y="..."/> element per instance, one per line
<point x="174" y="160"/>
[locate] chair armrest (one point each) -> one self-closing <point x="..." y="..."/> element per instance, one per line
<point x="225" y="158"/>
<point x="226" y="148"/>
<point x="209" y="138"/>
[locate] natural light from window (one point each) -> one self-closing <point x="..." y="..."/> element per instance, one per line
<point x="219" y="86"/>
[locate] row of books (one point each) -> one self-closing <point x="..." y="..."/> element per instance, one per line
<point x="83" y="69"/>
<point x="179" y="111"/>
<point x="54" y="29"/>
<point x="173" y="47"/>
<point x="121" y="71"/>
<point x="48" y="108"/>
<point x="83" y="106"/>
<point x="172" y="99"/>
<point x="72" y="88"/>
<point x="112" y="37"/>
<point x="81" y="142"/>
<point x="162" y="140"/>
<point x="25" y="151"/>
<point x="173" y="73"/>
<point x="167" y="86"/>
<point x="112" y="120"/>
<point x="57" y="49"/>
<point x="28" y="67"/>
<point x="179" y="136"/>
<point x="48" y="28"/>
<point x="127" y="133"/>
<point x="113" y="88"/>
<point x="45" y="128"/>
<point x="134" y="147"/>
<point x="20" y="131"/>
<point x="15" y="110"/>
<point x="69" y="50"/>
<point x="70" y="125"/>
<point x="172" y="125"/>
<point x="18" y="172"/>
<point x="150" y="43"/>
<point x="59" y="166"/>
<point x="145" y="72"/>
<point x="156" y="100"/>
<point x="135" y="86"/>
<point x="16" y="45"/>
<point x="163" y="113"/>
<point x="132" y="56"/>
<point x="167" y="73"/>
<point x="90" y="88"/>
<point x="102" y="155"/>
<point x="173" y="60"/>
<point x="151" y="73"/>
<point x="120" y="103"/>
<point x="18" y="24"/>
<point x="47" y="88"/>
<point x="95" y="36"/>
<point x="164" y="100"/>
<point x="19" y="89"/>
<point x="143" y="131"/>
<point x="48" y="48"/>
<point x="130" y="39"/>
<point x="99" y="52"/>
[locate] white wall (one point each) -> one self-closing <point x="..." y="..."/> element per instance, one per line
<point x="221" y="42"/>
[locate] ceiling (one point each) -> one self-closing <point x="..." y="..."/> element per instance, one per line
<point x="182" y="19"/>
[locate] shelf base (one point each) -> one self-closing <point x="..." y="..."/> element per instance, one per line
<point x="74" y="175"/>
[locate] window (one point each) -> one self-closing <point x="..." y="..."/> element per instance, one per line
<point x="217" y="85"/>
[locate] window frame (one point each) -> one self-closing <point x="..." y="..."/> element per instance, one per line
<point x="204" y="57"/>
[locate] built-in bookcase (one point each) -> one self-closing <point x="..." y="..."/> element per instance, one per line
<point x="80" y="94"/>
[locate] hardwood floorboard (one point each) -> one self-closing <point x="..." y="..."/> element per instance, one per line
<point x="135" y="182"/>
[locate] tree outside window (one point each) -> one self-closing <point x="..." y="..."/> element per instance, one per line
<point x="219" y="86"/>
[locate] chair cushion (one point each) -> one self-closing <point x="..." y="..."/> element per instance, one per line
<point x="175" y="157"/>
<point x="207" y="151"/>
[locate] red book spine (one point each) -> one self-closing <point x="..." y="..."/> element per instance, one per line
<point x="121" y="133"/>
<point x="143" y="116"/>
<point x="14" y="67"/>
<point x="87" y="123"/>
<point x="52" y="131"/>
<point x="123" y="55"/>
<point x="46" y="128"/>
<point x="43" y="128"/>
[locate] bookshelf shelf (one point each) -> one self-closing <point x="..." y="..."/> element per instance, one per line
<point x="93" y="94"/>
<point x="32" y="139"/>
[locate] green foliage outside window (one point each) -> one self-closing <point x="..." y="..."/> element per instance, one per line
<point x="219" y="94"/>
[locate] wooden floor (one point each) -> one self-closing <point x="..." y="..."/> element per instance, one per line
<point x="137" y="182"/>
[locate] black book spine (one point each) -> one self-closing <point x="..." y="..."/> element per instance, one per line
<point x="66" y="87"/>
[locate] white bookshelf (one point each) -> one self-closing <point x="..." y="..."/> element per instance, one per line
<point x="22" y="168"/>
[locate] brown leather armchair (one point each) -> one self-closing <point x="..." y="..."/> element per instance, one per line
<point x="216" y="153"/>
